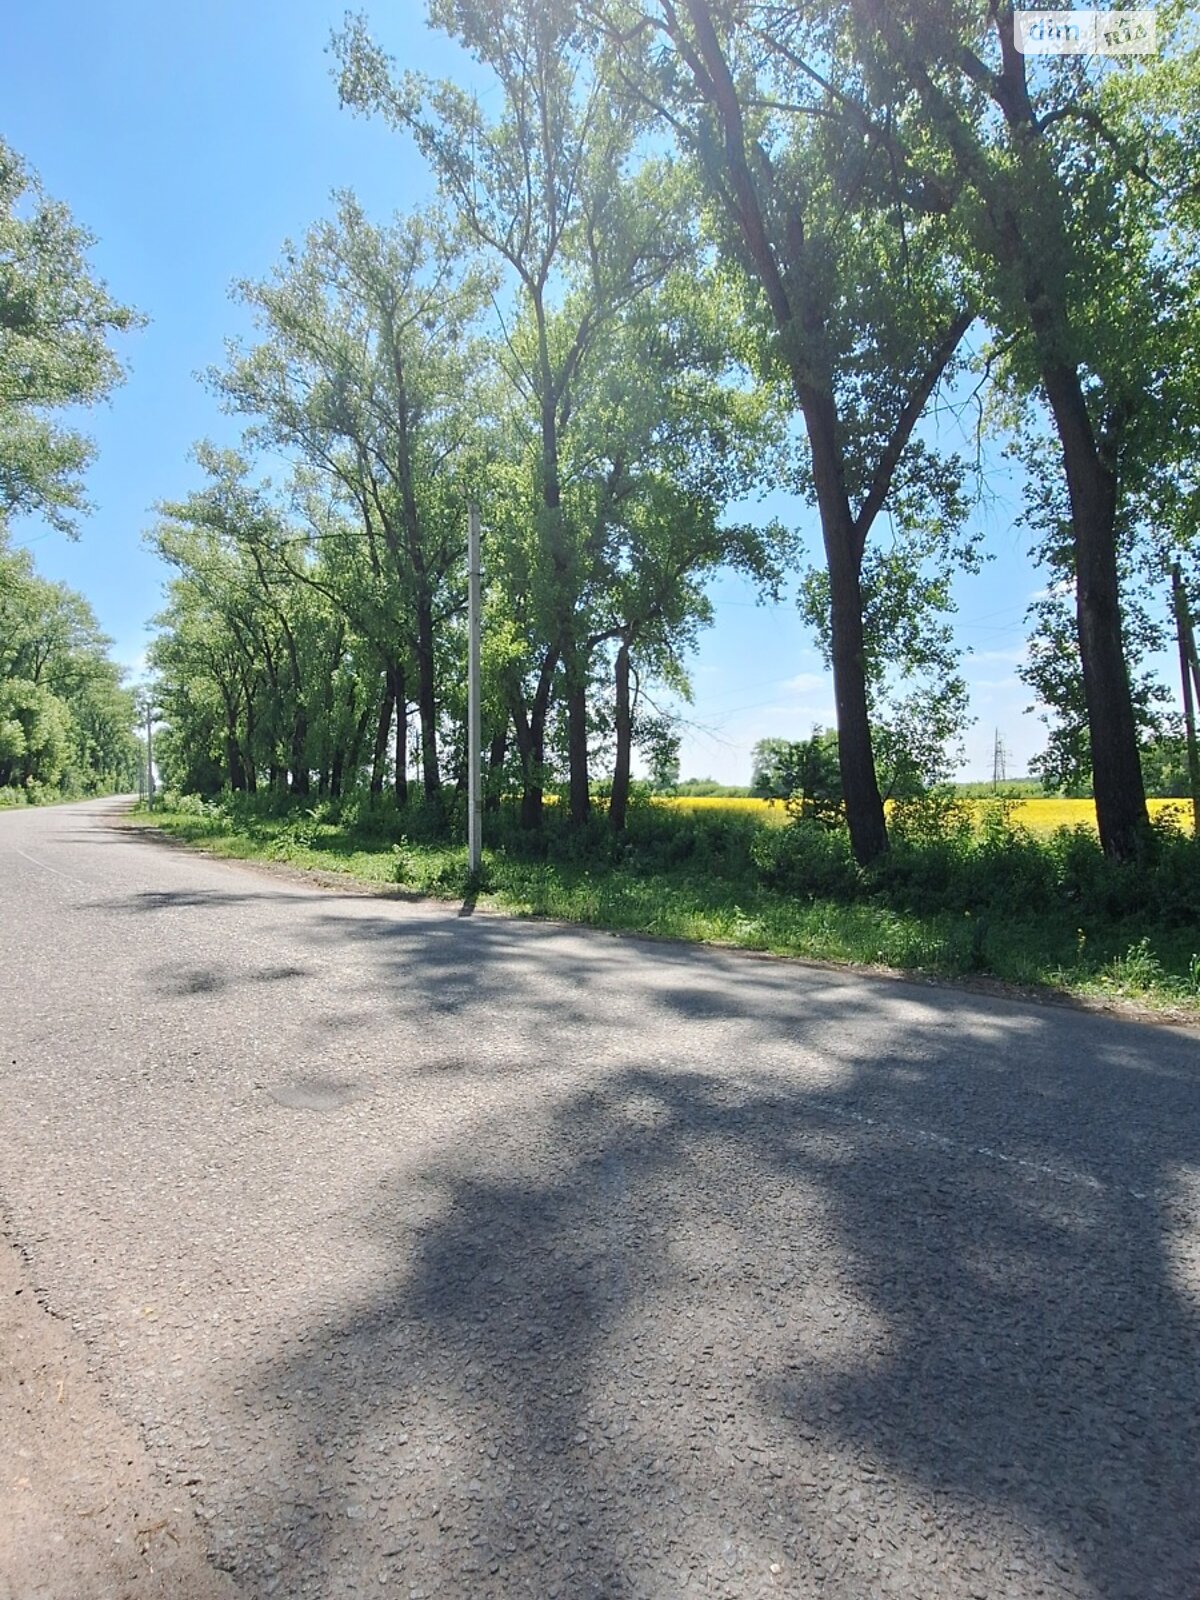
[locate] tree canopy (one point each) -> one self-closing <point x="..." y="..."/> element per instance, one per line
<point x="65" y="720"/>
<point x="56" y="325"/>
<point x="681" y="255"/>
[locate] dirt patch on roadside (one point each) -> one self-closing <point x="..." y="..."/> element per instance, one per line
<point x="84" y="1515"/>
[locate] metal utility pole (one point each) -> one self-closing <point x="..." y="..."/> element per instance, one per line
<point x="1187" y="670"/>
<point x="474" y="772"/>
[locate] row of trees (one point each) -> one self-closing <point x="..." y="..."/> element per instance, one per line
<point x="686" y="252"/>
<point x="65" y="719"/>
<point x="606" y="431"/>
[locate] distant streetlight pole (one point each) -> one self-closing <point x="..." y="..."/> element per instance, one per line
<point x="474" y="774"/>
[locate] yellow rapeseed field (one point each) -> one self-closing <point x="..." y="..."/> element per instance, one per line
<point x="1039" y="816"/>
<point x="771" y="811"/>
<point x="1044" y="815"/>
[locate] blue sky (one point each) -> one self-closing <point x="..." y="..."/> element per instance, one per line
<point x="192" y="140"/>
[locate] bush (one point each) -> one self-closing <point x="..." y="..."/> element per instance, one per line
<point x="954" y="894"/>
<point x="806" y="858"/>
<point x="188" y="805"/>
<point x="430" y="871"/>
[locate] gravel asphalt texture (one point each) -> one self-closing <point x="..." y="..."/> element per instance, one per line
<point x="448" y="1255"/>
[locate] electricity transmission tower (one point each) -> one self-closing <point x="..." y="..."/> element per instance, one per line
<point x="999" y="762"/>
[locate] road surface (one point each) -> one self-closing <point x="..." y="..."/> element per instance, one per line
<point x="447" y="1255"/>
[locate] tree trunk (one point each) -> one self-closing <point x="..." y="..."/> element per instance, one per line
<point x="577" y="740"/>
<point x="1029" y="219"/>
<point x="248" y="767"/>
<point x="529" y="724"/>
<point x="399" y="695"/>
<point x="531" y="748"/>
<point x="299" y="752"/>
<point x="233" y="761"/>
<point x="357" y="740"/>
<point x="796" y="296"/>
<point x="382" y="729"/>
<point x="496" y="755"/>
<point x="843" y="559"/>
<point x="416" y="554"/>
<point x="1035" y="233"/>
<point x="856" y="757"/>
<point x="619" y="802"/>
<point x="1121" y="814"/>
<point x="426" y="699"/>
<point x="337" y="770"/>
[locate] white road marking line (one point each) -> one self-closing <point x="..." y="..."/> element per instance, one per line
<point x="984" y="1152"/>
<point x="46" y="867"/>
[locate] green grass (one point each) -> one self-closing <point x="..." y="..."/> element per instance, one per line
<point x="950" y="901"/>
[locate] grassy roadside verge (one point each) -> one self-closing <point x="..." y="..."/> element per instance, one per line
<point x="22" y="800"/>
<point x="711" y="883"/>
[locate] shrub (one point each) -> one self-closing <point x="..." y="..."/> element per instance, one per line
<point x="806" y="858"/>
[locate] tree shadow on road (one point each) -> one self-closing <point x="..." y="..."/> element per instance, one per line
<point x="925" y="1325"/>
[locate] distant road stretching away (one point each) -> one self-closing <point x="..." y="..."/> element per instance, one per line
<point x="448" y="1255"/>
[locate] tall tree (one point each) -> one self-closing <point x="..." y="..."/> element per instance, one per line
<point x="854" y="295"/>
<point x="225" y="540"/>
<point x="65" y="718"/>
<point x="694" y="435"/>
<point x="364" y="374"/>
<point x="1039" y="183"/>
<point x="544" y="185"/>
<point x="56" y="323"/>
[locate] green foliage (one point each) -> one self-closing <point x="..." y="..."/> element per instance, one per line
<point x="1079" y="228"/>
<point x="605" y="516"/>
<point x="56" y="321"/>
<point x="704" y="788"/>
<point x="1052" y="668"/>
<point x="805" y="775"/>
<point x="852" y="300"/>
<point x="917" y="695"/>
<point x="661" y="746"/>
<point x="773" y="764"/>
<point x="484" y="349"/>
<point x="33" y="733"/>
<point x="602" y="332"/>
<point x="1165" y="767"/>
<point x="807" y="859"/>
<point x="65" y="720"/>
<point x="1010" y="788"/>
<point x="948" y="899"/>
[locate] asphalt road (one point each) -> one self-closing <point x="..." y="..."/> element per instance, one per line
<point x="447" y="1255"/>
